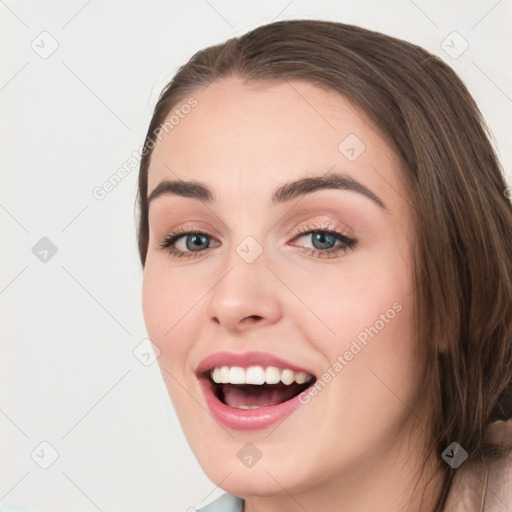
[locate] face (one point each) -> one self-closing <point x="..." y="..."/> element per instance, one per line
<point x="314" y="283"/>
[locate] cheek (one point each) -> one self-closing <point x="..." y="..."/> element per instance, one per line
<point x="364" y="296"/>
<point x="167" y="302"/>
<point x="383" y="379"/>
<point x="169" y="306"/>
<point x="167" y="295"/>
<point x="381" y="369"/>
<point x="171" y="309"/>
<point x="367" y="313"/>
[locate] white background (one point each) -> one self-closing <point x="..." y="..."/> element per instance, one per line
<point x="69" y="326"/>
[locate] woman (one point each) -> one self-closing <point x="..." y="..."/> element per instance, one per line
<point x="325" y="237"/>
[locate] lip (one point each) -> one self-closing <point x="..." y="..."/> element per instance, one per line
<point x="245" y="360"/>
<point x="245" y="419"/>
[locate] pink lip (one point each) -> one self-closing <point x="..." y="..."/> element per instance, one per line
<point x="245" y="419"/>
<point x="245" y="360"/>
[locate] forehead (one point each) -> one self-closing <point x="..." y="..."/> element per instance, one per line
<point x="264" y="134"/>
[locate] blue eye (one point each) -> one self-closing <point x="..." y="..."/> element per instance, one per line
<point x="193" y="243"/>
<point x="324" y="242"/>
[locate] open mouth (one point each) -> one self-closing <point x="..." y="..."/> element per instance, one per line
<point x="253" y="396"/>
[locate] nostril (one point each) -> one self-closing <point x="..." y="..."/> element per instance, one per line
<point x="252" y="318"/>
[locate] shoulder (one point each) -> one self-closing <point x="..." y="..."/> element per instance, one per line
<point x="471" y="485"/>
<point x="225" y="503"/>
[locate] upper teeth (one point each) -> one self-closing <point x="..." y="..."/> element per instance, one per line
<point x="257" y="375"/>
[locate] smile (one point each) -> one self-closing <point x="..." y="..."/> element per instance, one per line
<point x="244" y="397"/>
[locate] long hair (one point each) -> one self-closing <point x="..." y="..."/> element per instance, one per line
<point x="463" y="219"/>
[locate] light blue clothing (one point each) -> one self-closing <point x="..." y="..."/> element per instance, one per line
<point x="12" y="507"/>
<point x="225" y="503"/>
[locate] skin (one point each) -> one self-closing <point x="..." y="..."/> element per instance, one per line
<point x="356" y="445"/>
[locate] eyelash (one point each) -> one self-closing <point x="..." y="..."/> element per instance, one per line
<point x="168" y="241"/>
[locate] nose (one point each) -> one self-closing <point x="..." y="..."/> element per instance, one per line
<point x="246" y="295"/>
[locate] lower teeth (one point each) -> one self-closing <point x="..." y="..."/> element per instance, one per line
<point x="247" y="406"/>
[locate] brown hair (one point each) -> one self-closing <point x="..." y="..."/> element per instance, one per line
<point x="463" y="245"/>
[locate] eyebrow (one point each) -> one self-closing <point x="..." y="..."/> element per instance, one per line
<point x="286" y="192"/>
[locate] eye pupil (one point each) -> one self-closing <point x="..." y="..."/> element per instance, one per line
<point x="195" y="242"/>
<point x="324" y="238"/>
